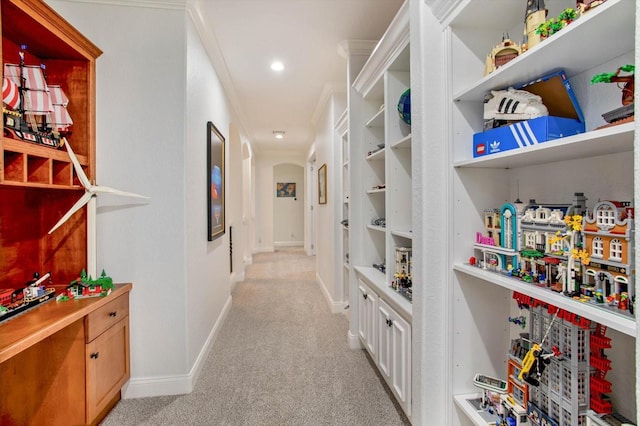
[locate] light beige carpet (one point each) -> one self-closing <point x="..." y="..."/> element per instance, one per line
<point x="281" y="358"/>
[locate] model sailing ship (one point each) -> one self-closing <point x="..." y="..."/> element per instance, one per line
<point x="33" y="110"/>
<point x="15" y="301"/>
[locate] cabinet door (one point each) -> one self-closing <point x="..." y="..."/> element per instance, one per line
<point x="107" y="360"/>
<point x="367" y="305"/>
<point x="395" y="352"/>
<point x="385" y="338"/>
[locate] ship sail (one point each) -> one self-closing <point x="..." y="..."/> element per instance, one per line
<point x="10" y="93"/>
<point x="60" y="120"/>
<point x="39" y="114"/>
<point x="37" y="100"/>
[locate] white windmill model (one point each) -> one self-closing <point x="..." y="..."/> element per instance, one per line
<point x="89" y="197"/>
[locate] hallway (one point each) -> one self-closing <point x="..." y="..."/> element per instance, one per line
<point x="281" y="358"/>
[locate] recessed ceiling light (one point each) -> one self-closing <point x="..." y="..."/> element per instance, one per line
<point x="277" y="66"/>
<point x="278" y="134"/>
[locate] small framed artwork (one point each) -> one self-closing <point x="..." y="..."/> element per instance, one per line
<point x="286" y="189"/>
<point x="215" y="182"/>
<point x="322" y="184"/>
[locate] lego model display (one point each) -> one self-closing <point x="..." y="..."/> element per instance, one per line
<point x="555" y="375"/>
<point x="91" y="190"/>
<point x="16" y="301"/>
<point x="34" y="111"/>
<point x="586" y="5"/>
<point x="535" y="15"/>
<point x="625" y="82"/>
<point x="553" y="25"/>
<point x="527" y="114"/>
<point x="402" y="283"/>
<point x="503" y="53"/>
<point x="84" y="286"/>
<point x="584" y="253"/>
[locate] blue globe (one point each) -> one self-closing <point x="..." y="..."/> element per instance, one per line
<point x="404" y="106"/>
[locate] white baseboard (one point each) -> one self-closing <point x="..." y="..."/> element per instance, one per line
<point x="143" y="387"/>
<point x="236" y="277"/>
<point x="336" y="307"/>
<point x="353" y="340"/>
<point x="279" y="244"/>
<point x="263" y="250"/>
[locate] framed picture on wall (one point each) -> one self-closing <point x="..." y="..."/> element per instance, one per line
<point x="322" y="184"/>
<point x="286" y="189"/>
<point x="215" y="182"/>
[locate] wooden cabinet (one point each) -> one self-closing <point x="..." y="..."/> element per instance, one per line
<point x="60" y="355"/>
<point x="107" y="353"/>
<point x="37" y="182"/>
<point x="64" y="363"/>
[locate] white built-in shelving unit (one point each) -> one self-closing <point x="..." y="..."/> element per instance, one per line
<point x="600" y="163"/>
<point x="342" y="132"/>
<point x="380" y="164"/>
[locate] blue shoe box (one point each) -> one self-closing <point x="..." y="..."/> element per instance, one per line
<point x="565" y="119"/>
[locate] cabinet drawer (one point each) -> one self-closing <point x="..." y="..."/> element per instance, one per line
<point x="107" y="361"/>
<point x="101" y="319"/>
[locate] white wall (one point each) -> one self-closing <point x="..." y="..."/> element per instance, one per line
<point x="328" y="216"/>
<point x="288" y="220"/>
<point x="156" y="89"/>
<point x="264" y="194"/>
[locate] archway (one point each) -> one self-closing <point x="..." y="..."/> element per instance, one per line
<point x="288" y="205"/>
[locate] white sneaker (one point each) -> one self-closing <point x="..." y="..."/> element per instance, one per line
<point x="514" y="104"/>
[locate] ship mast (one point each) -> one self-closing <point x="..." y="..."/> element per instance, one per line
<point x="25" y="101"/>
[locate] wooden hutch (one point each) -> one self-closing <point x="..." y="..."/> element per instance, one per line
<point x="62" y="362"/>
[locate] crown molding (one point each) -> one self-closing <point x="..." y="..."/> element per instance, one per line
<point x="211" y="46"/>
<point x="391" y="45"/>
<point x="443" y="9"/>
<point x="151" y="4"/>
<point x="342" y="126"/>
<point x="348" y="48"/>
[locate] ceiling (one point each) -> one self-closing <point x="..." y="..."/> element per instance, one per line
<point x="304" y="35"/>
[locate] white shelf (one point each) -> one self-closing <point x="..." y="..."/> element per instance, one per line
<point x="622" y="323"/>
<point x="607" y="32"/>
<point x="346" y="164"/>
<point x="404" y="143"/>
<point x="376" y="280"/>
<point x="377" y="120"/>
<point x="377" y="191"/>
<point x="404" y="234"/>
<point x="346" y="266"/>
<point x="462" y="402"/>
<point x="377" y="228"/>
<point x="376" y="156"/>
<point x="609" y="140"/>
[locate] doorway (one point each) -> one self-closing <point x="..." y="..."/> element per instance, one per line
<point x="288" y="205"/>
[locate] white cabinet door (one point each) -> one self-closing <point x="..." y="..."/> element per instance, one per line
<point x="395" y="352"/>
<point x="385" y="339"/>
<point x="367" y="306"/>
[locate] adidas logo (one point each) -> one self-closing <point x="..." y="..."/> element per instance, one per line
<point x="495" y="146"/>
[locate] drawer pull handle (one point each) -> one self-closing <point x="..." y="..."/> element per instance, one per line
<point x="113" y="314"/>
<point x="389" y="322"/>
<point x="94" y="355"/>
